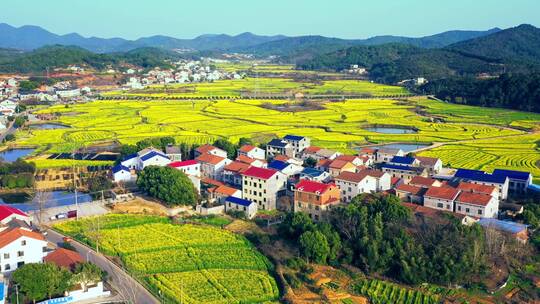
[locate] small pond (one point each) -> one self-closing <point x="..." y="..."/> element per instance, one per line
<point x="405" y="147"/>
<point x="48" y="126"/>
<point x="391" y="130"/>
<point x="26" y="202"/>
<point x="12" y="155"/>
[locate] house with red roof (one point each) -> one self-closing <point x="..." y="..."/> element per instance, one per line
<point x="8" y="214"/>
<point x="410" y="193"/>
<point x="424" y="182"/>
<point x="336" y="167"/>
<point x="263" y="186"/>
<point x="64" y="258"/>
<point x="477" y="205"/>
<point x="212" y="166"/>
<point x="209" y="149"/>
<point x="255" y="162"/>
<point x="441" y="198"/>
<point x="310" y="152"/>
<point x="315" y="199"/>
<point x="232" y="173"/>
<point x="252" y="152"/>
<point x="432" y="164"/>
<point x="220" y="193"/>
<point x="189" y="167"/>
<point x="479" y="188"/>
<point x="352" y="184"/>
<point x="19" y="246"/>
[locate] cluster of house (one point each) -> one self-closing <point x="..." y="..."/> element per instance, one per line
<point x="185" y="71"/>
<point x="277" y="178"/>
<point x="20" y="245"/>
<point x="8" y="87"/>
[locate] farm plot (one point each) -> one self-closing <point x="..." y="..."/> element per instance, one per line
<point x="198" y="264"/>
<point x="385" y="292"/>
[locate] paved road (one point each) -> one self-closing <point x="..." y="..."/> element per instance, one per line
<point x="83" y="210"/>
<point x="129" y="290"/>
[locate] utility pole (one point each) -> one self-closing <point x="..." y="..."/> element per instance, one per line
<point x="17" y="292"/>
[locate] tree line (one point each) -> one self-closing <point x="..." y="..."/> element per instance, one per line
<point x="19" y="174"/>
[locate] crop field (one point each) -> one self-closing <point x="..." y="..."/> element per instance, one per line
<point x="199" y="264"/>
<point x="385" y="292"/>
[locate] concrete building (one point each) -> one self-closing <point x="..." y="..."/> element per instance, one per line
<point x="299" y="143"/>
<point x="278" y="146"/>
<point x="263" y="186"/>
<point x="352" y="184"/>
<point x="477" y="205"/>
<point x="212" y="166"/>
<point x="441" y="198"/>
<point x="20" y="246"/>
<point x="315" y="199"/>
<point x="238" y="204"/>
<point x="189" y="167"/>
<point x="252" y="152"/>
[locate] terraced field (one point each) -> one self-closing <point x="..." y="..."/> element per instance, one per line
<point x="199" y="264"/>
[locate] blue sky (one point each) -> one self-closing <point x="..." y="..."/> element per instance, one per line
<point x="338" y="18"/>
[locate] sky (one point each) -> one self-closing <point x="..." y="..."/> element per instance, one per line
<point x="133" y="19"/>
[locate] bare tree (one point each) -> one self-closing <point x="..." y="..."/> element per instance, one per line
<point x="40" y="199"/>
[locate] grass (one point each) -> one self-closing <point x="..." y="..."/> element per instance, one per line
<point x="199" y="264"/>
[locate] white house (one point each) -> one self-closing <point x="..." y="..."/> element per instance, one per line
<point x="285" y="168"/>
<point x="212" y="166"/>
<point x="153" y="158"/>
<point x="209" y="149"/>
<point x="20" y="246"/>
<point x="315" y="175"/>
<point x="68" y="93"/>
<point x="121" y="174"/>
<point x="189" y="167"/>
<point x="384" y="155"/>
<point x="432" y="164"/>
<point x="255" y="162"/>
<point x="248" y="207"/>
<point x="298" y="143"/>
<point x="501" y="181"/>
<point x="477" y="205"/>
<point x="252" y="152"/>
<point x="262" y="186"/>
<point x="8" y="214"/>
<point x="351" y="184"/>
<point x="278" y="146"/>
<point x="441" y="198"/>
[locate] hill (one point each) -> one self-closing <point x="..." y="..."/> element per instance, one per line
<point x="62" y="56"/>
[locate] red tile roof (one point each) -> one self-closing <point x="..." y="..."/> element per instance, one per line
<point x="9" y="236"/>
<point x="352" y="177"/>
<point x="394" y="180"/>
<point x="312" y="186"/>
<point x="281" y="157"/>
<point x="368" y="150"/>
<point x="64" y="258"/>
<point x="324" y="162"/>
<point x="446" y="193"/>
<point x="373" y="173"/>
<point x="409" y="188"/>
<point x="338" y="164"/>
<point x="212" y="182"/>
<point x="474" y="198"/>
<point x="226" y="190"/>
<point x="470" y="187"/>
<point x="210" y="159"/>
<point x="348" y="158"/>
<point x="311" y="149"/>
<point x="205" y="149"/>
<point x="237" y="167"/>
<point x="422" y="181"/>
<point x="185" y="163"/>
<point x="245" y="159"/>
<point x="7" y="211"/>
<point x="261" y="173"/>
<point x="430" y="161"/>
<point x="247" y="148"/>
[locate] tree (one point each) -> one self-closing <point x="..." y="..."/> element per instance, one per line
<point x="167" y="184"/>
<point x="86" y="274"/>
<point x="39" y="281"/>
<point x="245" y="141"/>
<point x="314" y="246"/>
<point x="296" y="223"/>
<point x="310" y="162"/>
<point x="334" y="241"/>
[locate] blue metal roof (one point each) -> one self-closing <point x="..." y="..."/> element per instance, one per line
<point x="403" y="168"/>
<point x="2" y="287"/>
<point x="149" y="155"/>
<point x="513" y="174"/>
<point x="119" y="168"/>
<point x="278" y="165"/>
<point x="312" y="172"/>
<point x="534" y="187"/>
<point x="480" y="176"/>
<point x="278" y="143"/>
<point x="507" y="226"/>
<point x="131" y="156"/>
<point x="293" y="137"/>
<point x="238" y="201"/>
<point x="402" y="160"/>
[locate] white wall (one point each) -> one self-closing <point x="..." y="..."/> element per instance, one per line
<point x="33" y="253"/>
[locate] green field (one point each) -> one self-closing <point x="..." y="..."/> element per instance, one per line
<point x="200" y="264"/>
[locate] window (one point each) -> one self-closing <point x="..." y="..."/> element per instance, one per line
<point x="467" y="210"/>
<point x="20" y="253"/>
<point x="480" y="211"/>
<point x="448" y="207"/>
<point x="6" y="255"/>
<point x="459" y="208"/>
<point x="23" y="243"/>
<point x="439" y="205"/>
<point x="7" y="267"/>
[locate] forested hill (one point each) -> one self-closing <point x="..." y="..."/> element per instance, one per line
<point x="516" y="49"/>
<point x="62" y="56"/>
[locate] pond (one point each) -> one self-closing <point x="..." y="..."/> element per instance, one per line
<point x="405" y="147"/>
<point x="12" y="155"/>
<point x="391" y="130"/>
<point x="48" y="126"/>
<point x="26" y="202"/>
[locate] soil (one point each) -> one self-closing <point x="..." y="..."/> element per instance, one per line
<point x="140" y="206"/>
<point x="243" y="227"/>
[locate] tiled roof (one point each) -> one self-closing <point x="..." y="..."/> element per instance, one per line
<point x="238" y="201"/>
<point x="278" y="165"/>
<point x="205" y="149"/>
<point x="278" y="143"/>
<point x="184" y="163"/>
<point x="402" y="168"/>
<point x="63" y="258"/>
<point x="338" y="164"/>
<point x="422" y="181"/>
<point x="7" y="211"/>
<point x="261" y="173"/>
<point x="247" y="148"/>
<point x="402" y="160"/>
<point x="367" y="150"/>
<point x="324" y="162"/>
<point x="311" y="149"/>
<point x="281" y="157"/>
<point x="519" y="175"/>
<point x="293" y="137"/>
<point x="131" y="156"/>
<point x="325" y="152"/>
<point x="352" y="177"/>
<point x="429" y="161"/>
<point x="210" y="159"/>
<point x="151" y="154"/>
<point x="349" y="158"/>
<point x="172" y="150"/>
<point x="479" y="199"/>
<point x="312" y="186"/>
<point x="237" y="167"/>
<point x="446" y="193"/>
<point x="470" y="187"/>
<point x="226" y="190"/>
<point x="119" y="168"/>
<point x="373" y="173"/>
<point x="210" y="181"/>
<point x="245" y="159"/>
<point x="388" y="150"/>
<point x="9" y="236"/>
<point x="410" y="189"/>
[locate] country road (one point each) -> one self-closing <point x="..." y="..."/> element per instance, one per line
<point x="130" y="291"/>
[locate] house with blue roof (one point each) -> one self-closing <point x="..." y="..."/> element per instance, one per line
<point x="239" y="204"/>
<point x="278" y="146"/>
<point x="500" y="181"/>
<point x="121" y="173"/>
<point x="315" y="175"/>
<point x="131" y="161"/>
<point x="404" y="161"/>
<point x="405" y="172"/>
<point x="299" y="143"/>
<point x="518" y="181"/>
<point x="144" y="158"/>
<point x="285" y="167"/>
